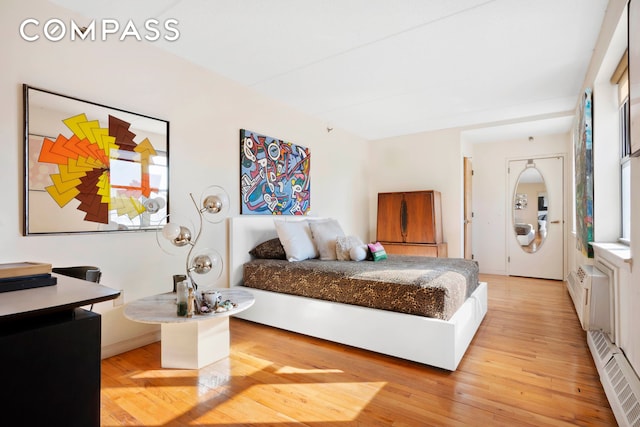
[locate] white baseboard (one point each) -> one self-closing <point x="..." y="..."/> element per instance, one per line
<point x="494" y="272"/>
<point x="130" y="344"/>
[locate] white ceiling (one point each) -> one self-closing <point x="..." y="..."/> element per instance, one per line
<point x="381" y="68"/>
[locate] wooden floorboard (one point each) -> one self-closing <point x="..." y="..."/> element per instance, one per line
<point x="528" y="365"/>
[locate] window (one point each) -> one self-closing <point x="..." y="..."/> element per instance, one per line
<point x="625" y="172"/>
<point x="621" y="78"/>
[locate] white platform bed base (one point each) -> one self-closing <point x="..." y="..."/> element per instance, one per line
<point x="425" y="340"/>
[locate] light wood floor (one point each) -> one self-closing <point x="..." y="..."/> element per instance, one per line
<point x="528" y="365"/>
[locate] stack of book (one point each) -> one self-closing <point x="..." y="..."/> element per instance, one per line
<point x="25" y="275"/>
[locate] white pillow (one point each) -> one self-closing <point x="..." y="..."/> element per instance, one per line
<point x="358" y="253"/>
<point x="325" y="233"/>
<point x="296" y="240"/>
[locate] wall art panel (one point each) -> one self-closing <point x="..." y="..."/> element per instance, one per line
<point x="92" y="168"/>
<point x="274" y="176"/>
<point x="583" y="144"/>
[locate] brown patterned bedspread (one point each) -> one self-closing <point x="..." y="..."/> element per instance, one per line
<point x="430" y="287"/>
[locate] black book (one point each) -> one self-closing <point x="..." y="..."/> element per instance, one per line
<point x="8" y="284"/>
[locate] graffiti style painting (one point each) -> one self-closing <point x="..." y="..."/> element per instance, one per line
<point x="274" y="176"/>
<point x="583" y="143"/>
<point x="92" y="168"/>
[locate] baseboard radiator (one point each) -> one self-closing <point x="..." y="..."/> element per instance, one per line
<point x="593" y="291"/>
<point x="618" y="378"/>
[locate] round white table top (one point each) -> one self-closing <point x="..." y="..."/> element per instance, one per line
<point x="162" y="308"/>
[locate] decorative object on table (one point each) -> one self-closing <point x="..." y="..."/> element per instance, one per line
<point x="583" y="143"/>
<point x="92" y="168"/>
<point x="191" y="303"/>
<point x="211" y="302"/>
<point x="204" y="265"/>
<point x="274" y="176"/>
<point x="182" y="298"/>
<point x="17" y="276"/>
<point x="177" y="278"/>
<point x="211" y="298"/>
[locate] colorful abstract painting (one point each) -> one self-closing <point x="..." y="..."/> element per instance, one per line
<point x="583" y="145"/>
<point x="274" y="176"/>
<point x="89" y="168"/>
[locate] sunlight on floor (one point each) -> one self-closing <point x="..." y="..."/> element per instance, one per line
<point x="292" y="370"/>
<point x="267" y="403"/>
<point x="243" y="390"/>
<point x="165" y="373"/>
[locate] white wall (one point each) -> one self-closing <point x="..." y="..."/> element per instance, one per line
<point x="632" y="350"/>
<point x="424" y="161"/>
<point x="611" y="45"/>
<point x="205" y="112"/>
<point x="490" y="193"/>
<point x="434" y="160"/>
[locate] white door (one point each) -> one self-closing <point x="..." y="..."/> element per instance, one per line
<point x="535" y="218"/>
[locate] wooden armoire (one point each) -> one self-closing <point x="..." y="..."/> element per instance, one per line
<point x="410" y="223"/>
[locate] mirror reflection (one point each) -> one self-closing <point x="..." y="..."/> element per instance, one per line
<point x="530" y="204"/>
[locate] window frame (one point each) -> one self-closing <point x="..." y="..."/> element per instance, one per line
<point x="625" y="157"/>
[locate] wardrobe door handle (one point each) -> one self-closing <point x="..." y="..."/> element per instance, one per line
<point x="403" y="220"/>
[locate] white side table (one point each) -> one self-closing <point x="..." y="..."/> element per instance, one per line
<point x="189" y="342"/>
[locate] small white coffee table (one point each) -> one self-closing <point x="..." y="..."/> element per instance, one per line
<point x="189" y="342"/>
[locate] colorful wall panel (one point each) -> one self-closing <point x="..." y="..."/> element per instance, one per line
<point x="274" y="176"/>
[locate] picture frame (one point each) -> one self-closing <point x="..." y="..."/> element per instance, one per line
<point x="634" y="76"/>
<point x="92" y="168"/>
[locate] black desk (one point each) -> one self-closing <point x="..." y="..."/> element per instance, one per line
<point x="50" y="354"/>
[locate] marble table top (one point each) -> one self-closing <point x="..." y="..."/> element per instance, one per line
<point x="162" y="308"/>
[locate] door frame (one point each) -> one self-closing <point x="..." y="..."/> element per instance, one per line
<point x="468" y="207"/>
<point x="566" y="206"/>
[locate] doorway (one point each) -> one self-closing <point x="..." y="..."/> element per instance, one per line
<point x="468" y="214"/>
<point x="535" y="218"/>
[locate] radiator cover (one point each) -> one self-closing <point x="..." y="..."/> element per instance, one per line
<point x="580" y="287"/>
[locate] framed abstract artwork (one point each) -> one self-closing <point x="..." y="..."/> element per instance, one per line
<point x="92" y="168"/>
<point x="583" y="145"/>
<point x="274" y="176"/>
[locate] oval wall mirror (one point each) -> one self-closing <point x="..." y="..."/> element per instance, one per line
<point x="530" y="204"/>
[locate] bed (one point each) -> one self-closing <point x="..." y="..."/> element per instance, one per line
<point x="525" y="233"/>
<point x="428" y="340"/>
